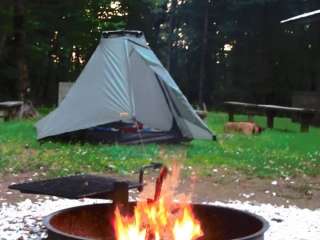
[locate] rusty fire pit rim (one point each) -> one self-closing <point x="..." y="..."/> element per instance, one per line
<point x="51" y="229"/>
<point x="46" y="220"/>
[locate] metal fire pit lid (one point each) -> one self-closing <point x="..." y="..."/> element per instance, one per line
<point x="75" y="187"/>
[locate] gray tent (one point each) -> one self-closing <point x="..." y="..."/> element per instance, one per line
<point x="124" y="83"/>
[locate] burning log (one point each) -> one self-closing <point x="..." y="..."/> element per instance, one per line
<point x="162" y="176"/>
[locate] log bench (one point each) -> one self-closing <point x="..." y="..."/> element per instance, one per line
<point x="303" y="115"/>
<point x="9" y="109"/>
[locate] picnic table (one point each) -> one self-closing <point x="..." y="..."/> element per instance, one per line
<point x="303" y="115"/>
<point x="9" y="109"/>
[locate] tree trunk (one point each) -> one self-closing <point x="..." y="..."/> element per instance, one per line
<point x="3" y="39"/>
<point x="19" y="36"/>
<point x="49" y="91"/>
<point x="160" y="20"/>
<point x="202" y="75"/>
<point x="172" y="25"/>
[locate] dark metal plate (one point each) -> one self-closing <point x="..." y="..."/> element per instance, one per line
<point x="74" y="187"/>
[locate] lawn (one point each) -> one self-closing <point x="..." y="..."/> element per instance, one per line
<point x="283" y="151"/>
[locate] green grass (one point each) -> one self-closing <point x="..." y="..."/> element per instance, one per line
<point x="283" y="151"/>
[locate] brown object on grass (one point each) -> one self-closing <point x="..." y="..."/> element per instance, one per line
<point x="247" y="128"/>
<point x="304" y="115"/>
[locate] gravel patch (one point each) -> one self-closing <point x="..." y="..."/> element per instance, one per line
<point x="285" y="222"/>
<point x="23" y="220"/>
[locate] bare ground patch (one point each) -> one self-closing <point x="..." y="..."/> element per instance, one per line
<point x="224" y="185"/>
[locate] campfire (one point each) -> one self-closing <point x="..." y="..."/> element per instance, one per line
<point x="159" y="218"/>
<point x="157" y="221"/>
<point x="159" y="214"/>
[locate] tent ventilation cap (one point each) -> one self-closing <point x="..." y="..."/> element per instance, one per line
<point x="108" y="34"/>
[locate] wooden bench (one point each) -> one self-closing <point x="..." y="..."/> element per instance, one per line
<point x="303" y="115"/>
<point x="9" y="109"/>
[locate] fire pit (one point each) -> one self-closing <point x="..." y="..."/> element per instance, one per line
<point x="95" y="222"/>
<point x="98" y="221"/>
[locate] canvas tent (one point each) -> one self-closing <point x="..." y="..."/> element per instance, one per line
<point x="124" y="83"/>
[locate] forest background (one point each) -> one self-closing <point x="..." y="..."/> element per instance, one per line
<point x="216" y="50"/>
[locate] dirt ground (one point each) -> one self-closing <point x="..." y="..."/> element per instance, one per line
<point x="223" y="185"/>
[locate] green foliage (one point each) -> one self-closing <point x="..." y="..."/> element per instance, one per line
<point x="55" y="31"/>
<point x="268" y="61"/>
<point x="5" y="17"/>
<point x="283" y="151"/>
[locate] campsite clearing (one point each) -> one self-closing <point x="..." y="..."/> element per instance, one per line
<point x="285" y="152"/>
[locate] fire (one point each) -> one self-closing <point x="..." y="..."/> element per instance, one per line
<point x="128" y="228"/>
<point x="159" y="219"/>
<point x="187" y="227"/>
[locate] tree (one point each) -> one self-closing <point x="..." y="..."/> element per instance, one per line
<point x="216" y="50"/>
<point x="19" y="39"/>
<point x="5" y="19"/>
<point x="171" y="34"/>
<point x="60" y="37"/>
<point x="202" y="74"/>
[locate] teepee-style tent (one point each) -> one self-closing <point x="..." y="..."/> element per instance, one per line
<point x="124" y="94"/>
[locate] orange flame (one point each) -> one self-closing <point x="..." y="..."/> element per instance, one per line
<point x="160" y="220"/>
<point x="128" y="228"/>
<point x="187" y="227"/>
